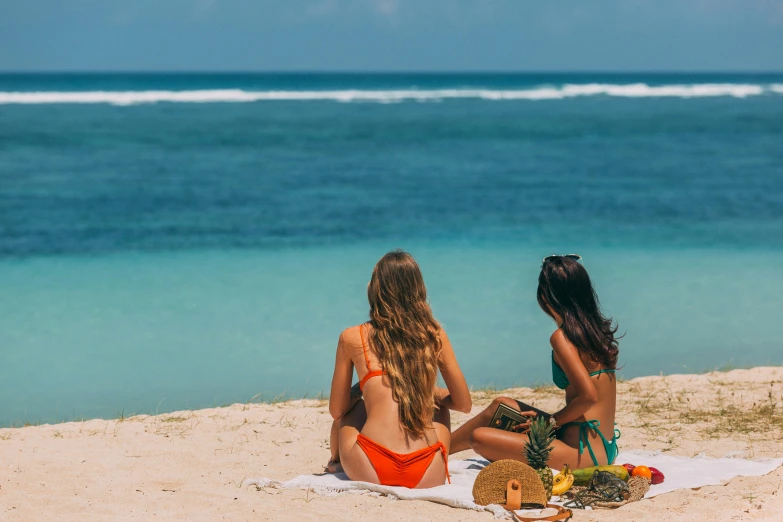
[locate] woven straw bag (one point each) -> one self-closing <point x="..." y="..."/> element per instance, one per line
<point x="492" y="482"/>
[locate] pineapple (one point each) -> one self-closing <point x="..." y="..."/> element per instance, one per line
<point x="537" y="451"/>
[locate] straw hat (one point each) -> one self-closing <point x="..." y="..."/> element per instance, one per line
<point x="491" y="483"/>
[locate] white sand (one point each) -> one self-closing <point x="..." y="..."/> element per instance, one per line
<point x="189" y="465"/>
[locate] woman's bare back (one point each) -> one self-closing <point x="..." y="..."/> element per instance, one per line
<point x="383" y="422"/>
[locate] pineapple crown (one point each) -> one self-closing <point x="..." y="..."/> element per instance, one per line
<point x="538" y="448"/>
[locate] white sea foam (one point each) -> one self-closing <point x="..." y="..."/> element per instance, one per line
<point x="637" y="90"/>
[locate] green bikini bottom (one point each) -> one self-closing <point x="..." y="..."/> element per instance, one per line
<point x="610" y="446"/>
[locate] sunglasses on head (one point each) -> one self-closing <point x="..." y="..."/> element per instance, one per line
<point x="575" y="257"/>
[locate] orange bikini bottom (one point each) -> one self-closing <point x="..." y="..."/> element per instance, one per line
<point x="395" y="469"/>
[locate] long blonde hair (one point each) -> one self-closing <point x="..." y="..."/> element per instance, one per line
<point x="405" y="337"/>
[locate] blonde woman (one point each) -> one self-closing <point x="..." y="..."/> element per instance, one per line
<point x="399" y="433"/>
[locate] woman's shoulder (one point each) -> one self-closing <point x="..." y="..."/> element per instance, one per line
<point x="352" y="336"/>
<point x="561" y="344"/>
<point x="557" y="337"/>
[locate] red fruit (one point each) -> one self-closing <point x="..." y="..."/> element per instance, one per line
<point x="629" y="467"/>
<point x="657" y="476"/>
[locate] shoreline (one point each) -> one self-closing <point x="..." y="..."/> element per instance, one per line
<point x="190" y="463"/>
<point x="284" y="398"/>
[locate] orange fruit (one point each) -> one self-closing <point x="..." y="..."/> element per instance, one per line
<point x="642" y="471"/>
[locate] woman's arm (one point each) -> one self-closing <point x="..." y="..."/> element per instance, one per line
<point x="340" y="396"/>
<point x="457" y="395"/>
<point x="567" y="357"/>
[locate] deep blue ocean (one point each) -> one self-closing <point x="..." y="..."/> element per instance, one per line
<point x="174" y="241"/>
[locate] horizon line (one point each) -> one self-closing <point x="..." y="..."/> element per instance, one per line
<point x="387" y="71"/>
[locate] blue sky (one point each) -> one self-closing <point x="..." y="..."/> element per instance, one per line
<point x="411" y="35"/>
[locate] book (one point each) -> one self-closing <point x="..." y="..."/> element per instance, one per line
<point x="507" y="418"/>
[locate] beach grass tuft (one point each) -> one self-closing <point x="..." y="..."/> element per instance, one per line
<point x="174" y="419"/>
<point x="280" y="398"/>
<point x="737" y="410"/>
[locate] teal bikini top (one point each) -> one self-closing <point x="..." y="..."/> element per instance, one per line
<point x="561" y="379"/>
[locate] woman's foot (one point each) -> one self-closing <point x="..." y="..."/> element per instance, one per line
<point x="333" y="466"/>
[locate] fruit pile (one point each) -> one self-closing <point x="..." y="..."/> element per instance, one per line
<point x="539" y="446"/>
<point x="567" y="478"/>
<point x="655" y="476"/>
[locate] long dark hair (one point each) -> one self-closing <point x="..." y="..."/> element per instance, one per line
<point x="405" y="337"/>
<point x="565" y="287"/>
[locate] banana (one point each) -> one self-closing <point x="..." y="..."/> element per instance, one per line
<point x="562" y="482"/>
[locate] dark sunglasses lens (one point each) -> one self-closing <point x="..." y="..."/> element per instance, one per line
<point x="575" y="257"/>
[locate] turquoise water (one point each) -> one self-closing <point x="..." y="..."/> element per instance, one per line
<point x="182" y="254"/>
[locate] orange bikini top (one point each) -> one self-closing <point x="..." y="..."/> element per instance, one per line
<point x="370" y="373"/>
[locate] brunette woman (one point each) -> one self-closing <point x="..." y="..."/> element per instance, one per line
<point x="584" y="360"/>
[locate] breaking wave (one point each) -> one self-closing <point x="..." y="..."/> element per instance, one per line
<point x="637" y="90"/>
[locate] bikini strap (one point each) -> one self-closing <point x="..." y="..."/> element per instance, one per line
<point x="584" y="440"/>
<point x="591" y="425"/>
<point x="364" y="347"/>
<point x="445" y="460"/>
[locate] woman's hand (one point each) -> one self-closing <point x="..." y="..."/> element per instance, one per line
<point x="524" y="427"/>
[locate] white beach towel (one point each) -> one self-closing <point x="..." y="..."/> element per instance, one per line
<point x="680" y="473"/>
<point x="689" y="473"/>
<point x="458" y="494"/>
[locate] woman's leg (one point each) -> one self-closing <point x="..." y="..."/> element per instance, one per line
<point x="441" y="421"/>
<point x="460" y="439"/>
<point x="495" y="445"/>
<point x="352" y="458"/>
<point x="333" y="466"/>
